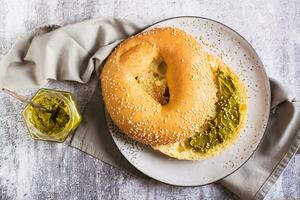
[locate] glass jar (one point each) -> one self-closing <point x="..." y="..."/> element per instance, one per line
<point x="42" y="125"/>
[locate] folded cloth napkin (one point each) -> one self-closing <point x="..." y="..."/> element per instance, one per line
<point x="72" y="52"/>
<point x="75" y="51"/>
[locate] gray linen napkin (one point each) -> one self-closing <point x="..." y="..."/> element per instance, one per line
<point x="73" y="52"/>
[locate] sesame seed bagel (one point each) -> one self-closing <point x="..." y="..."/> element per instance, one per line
<point x="158" y="87"/>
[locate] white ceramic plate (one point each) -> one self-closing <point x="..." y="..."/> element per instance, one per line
<point x="235" y="51"/>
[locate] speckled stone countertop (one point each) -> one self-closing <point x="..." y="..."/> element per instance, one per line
<point x="42" y="170"/>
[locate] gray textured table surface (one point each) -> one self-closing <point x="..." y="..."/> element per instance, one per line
<point x="40" y="170"/>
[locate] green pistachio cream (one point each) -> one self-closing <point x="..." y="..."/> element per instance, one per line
<point x="226" y="121"/>
<point x="50" y="122"/>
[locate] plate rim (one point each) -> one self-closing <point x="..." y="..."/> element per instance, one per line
<point x="267" y="115"/>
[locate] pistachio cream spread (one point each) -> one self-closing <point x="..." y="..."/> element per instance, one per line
<point x="50" y="122"/>
<point x="226" y="121"/>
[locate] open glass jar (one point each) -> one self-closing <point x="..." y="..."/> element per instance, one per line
<point x="58" y="122"/>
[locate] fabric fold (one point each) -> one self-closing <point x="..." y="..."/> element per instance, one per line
<point x="62" y="53"/>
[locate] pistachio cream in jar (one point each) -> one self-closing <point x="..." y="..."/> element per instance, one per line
<point x="60" y="119"/>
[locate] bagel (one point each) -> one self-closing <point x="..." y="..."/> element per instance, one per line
<point x="158" y="87"/>
<point x="182" y="149"/>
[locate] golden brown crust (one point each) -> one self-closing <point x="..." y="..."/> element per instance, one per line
<point x="189" y="79"/>
<point x="175" y="150"/>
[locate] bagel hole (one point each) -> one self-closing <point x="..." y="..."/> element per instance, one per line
<point x="166" y="96"/>
<point x="154" y="82"/>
